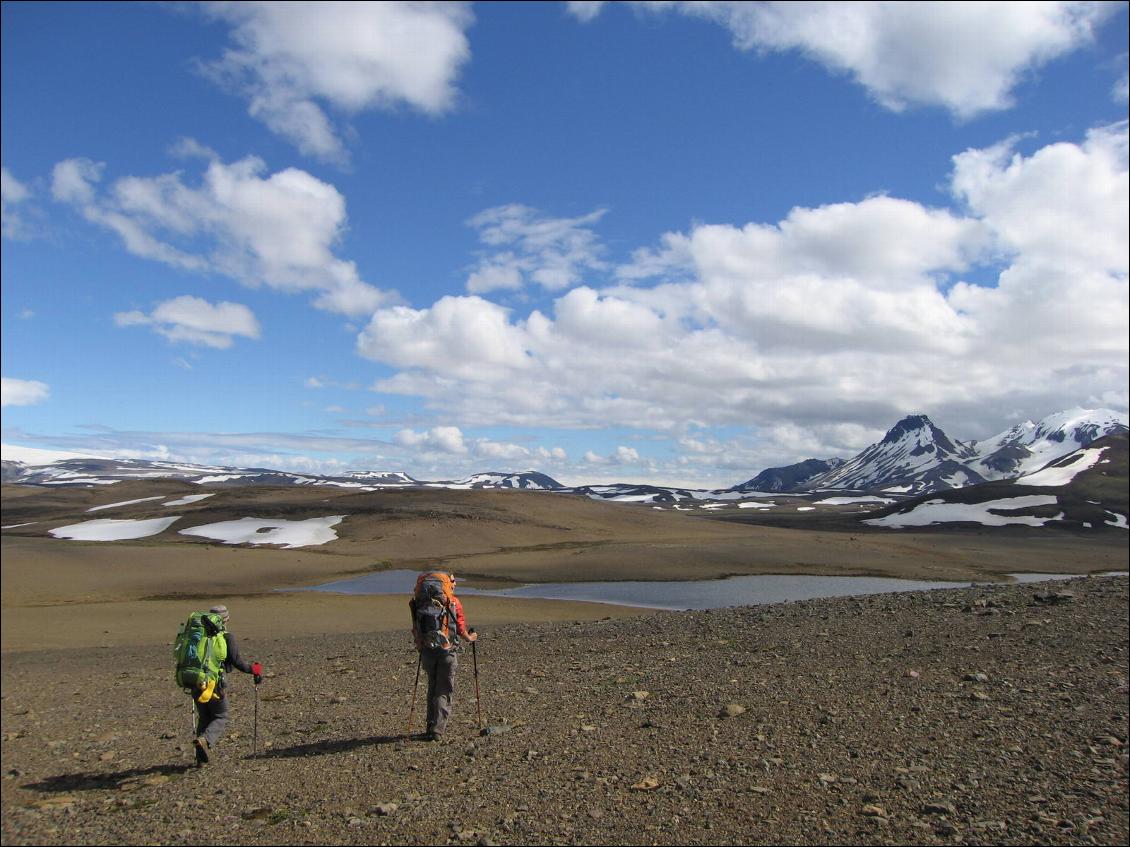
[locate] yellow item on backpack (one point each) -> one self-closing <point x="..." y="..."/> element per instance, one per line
<point x="207" y="693"/>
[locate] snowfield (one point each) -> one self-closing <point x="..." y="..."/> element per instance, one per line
<point x="191" y="498"/>
<point x="1052" y="477"/>
<point x="938" y="511"/>
<point x="109" y="529"/>
<point x="289" y="534"/>
<point x="123" y="503"/>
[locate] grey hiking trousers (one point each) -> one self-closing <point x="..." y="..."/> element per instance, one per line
<point x="440" y="667"/>
<point x="212" y="719"/>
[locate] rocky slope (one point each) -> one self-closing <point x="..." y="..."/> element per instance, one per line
<point x="991" y="715"/>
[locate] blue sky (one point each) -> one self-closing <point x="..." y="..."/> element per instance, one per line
<point x="670" y="243"/>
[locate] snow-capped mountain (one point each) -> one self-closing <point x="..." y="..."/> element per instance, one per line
<point x="382" y="477"/>
<point x="1027" y="447"/>
<point x="789" y="477"/>
<point x="526" y="480"/>
<point x="91" y="472"/>
<point x="914" y="457"/>
<point x="623" y="492"/>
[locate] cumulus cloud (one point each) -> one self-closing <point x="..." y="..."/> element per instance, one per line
<point x="13" y="193"/>
<point x="620" y="456"/>
<point x="455" y="330"/>
<point x="195" y="321"/>
<point x="965" y="57"/>
<point x="853" y="313"/>
<point x="291" y="60"/>
<point x="277" y="230"/>
<point x="444" y="439"/>
<point x="22" y="392"/>
<point x="529" y="247"/>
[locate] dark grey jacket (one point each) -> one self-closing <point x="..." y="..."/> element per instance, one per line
<point x="234" y="660"/>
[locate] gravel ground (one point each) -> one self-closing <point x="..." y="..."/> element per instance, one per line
<point x="990" y="715"/>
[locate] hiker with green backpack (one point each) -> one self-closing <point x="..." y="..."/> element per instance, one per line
<point x="437" y="626"/>
<point x="205" y="650"/>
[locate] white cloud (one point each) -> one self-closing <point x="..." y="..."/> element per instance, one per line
<point x="760" y="326"/>
<point x="196" y="321"/>
<point x="530" y="247"/>
<point x="12" y="194"/>
<point x="22" y="392"/>
<point x="277" y="230"/>
<point x="509" y="452"/>
<point x="467" y="337"/>
<point x="965" y="57"/>
<point x="292" y="59"/>
<point x="627" y="455"/>
<point x="620" y="456"/>
<point x="584" y="10"/>
<point x="1066" y="203"/>
<point x="1121" y="91"/>
<point x="1061" y="215"/>
<point x="444" y="439"/>
<point x="487" y="449"/>
<point x="73" y="180"/>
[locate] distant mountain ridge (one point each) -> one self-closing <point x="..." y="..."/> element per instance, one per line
<point x="1029" y="446"/>
<point x="914" y="457"/>
<point x="917" y="457"/>
<point x="789" y="477"/>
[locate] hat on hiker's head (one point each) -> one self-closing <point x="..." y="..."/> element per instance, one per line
<point x="220" y="610"/>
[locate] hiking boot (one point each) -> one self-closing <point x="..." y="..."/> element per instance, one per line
<point x="431" y="735"/>
<point x="202" y="750"/>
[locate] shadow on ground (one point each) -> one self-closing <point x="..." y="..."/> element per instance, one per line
<point x="105" y="781"/>
<point x="323" y="748"/>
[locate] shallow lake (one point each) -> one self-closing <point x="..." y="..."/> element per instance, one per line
<point x="693" y="594"/>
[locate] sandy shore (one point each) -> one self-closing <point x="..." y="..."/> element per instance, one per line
<point x="261" y="617"/>
<point x="58" y="594"/>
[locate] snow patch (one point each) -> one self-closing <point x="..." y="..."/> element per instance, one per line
<point x="289" y="534"/>
<point x="1064" y="474"/>
<point x="938" y="511"/>
<point x="845" y="501"/>
<point x="190" y="498"/>
<point x="109" y="529"/>
<point x="123" y="503"/>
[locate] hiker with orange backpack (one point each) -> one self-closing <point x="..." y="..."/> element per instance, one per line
<point x="437" y="626"/>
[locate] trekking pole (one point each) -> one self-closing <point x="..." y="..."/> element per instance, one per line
<point x="411" y="711"/>
<point x="478" y="700"/>
<point x="255" y="734"/>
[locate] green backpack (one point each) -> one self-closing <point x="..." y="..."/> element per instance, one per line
<point x="200" y="651"/>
